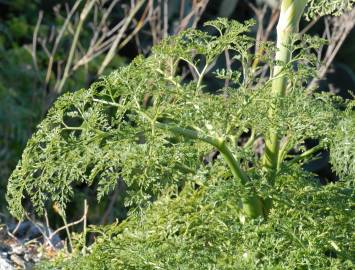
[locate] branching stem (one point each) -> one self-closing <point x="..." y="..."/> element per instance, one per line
<point x="251" y="139"/>
<point x="306" y="154"/>
<point x="219" y="143"/>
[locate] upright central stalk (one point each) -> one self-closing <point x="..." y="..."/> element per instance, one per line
<point x="290" y="15"/>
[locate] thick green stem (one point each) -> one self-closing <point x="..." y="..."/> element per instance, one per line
<point x="219" y="143"/>
<point x="290" y="15"/>
<point x="306" y="154"/>
<point x="232" y="162"/>
<point x="253" y="206"/>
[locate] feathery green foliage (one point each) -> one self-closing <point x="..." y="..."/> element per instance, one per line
<point x="342" y="152"/>
<point x="151" y="126"/>
<point x="113" y="129"/>
<point x="328" y="7"/>
<point x="200" y="228"/>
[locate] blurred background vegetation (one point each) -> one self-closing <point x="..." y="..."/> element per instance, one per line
<point x="48" y="47"/>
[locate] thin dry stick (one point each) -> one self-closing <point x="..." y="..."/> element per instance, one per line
<point x="153" y="25"/>
<point x="34" y="41"/>
<point x="47" y="221"/>
<point x="341" y="29"/>
<point x="64" y="218"/>
<point x="101" y="25"/>
<point x="114" y="29"/>
<point x="57" y="41"/>
<point x="201" y="6"/>
<point x="17" y="227"/>
<point x="260" y="14"/>
<point x="71" y="224"/>
<point x="111" y="53"/>
<point x="197" y="10"/>
<point x="48" y="239"/>
<point x="228" y="66"/>
<point x="99" y="48"/>
<point x="263" y="34"/>
<point x="34" y="54"/>
<point x="274" y="17"/>
<point x="86" y="207"/>
<point x="96" y="42"/>
<point x="165" y="21"/>
<point x="140" y="24"/>
<point x="182" y="9"/>
<point x="158" y="17"/>
<point x="67" y="225"/>
<point x="309" y="26"/>
<point x="83" y="16"/>
<point x="42" y="42"/>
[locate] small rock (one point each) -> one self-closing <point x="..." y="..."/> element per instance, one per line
<point x="20" y="230"/>
<point x="5" y="264"/>
<point x="18" y="260"/>
<point x="18" y="249"/>
<point x="23" y="245"/>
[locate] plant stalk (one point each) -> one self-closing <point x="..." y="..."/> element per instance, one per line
<point x="219" y="143"/>
<point x="290" y="15"/>
<point x="307" y="153"/>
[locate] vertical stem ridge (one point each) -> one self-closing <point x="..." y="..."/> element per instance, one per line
<point x="290" y="15"/>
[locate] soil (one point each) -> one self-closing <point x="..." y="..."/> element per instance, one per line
<point x="23" y="245"/>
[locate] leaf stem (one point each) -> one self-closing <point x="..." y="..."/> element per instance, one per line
<point x="307" y="153"/>
<point x="219" y="143"/>
<point x="251" y="139"/>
